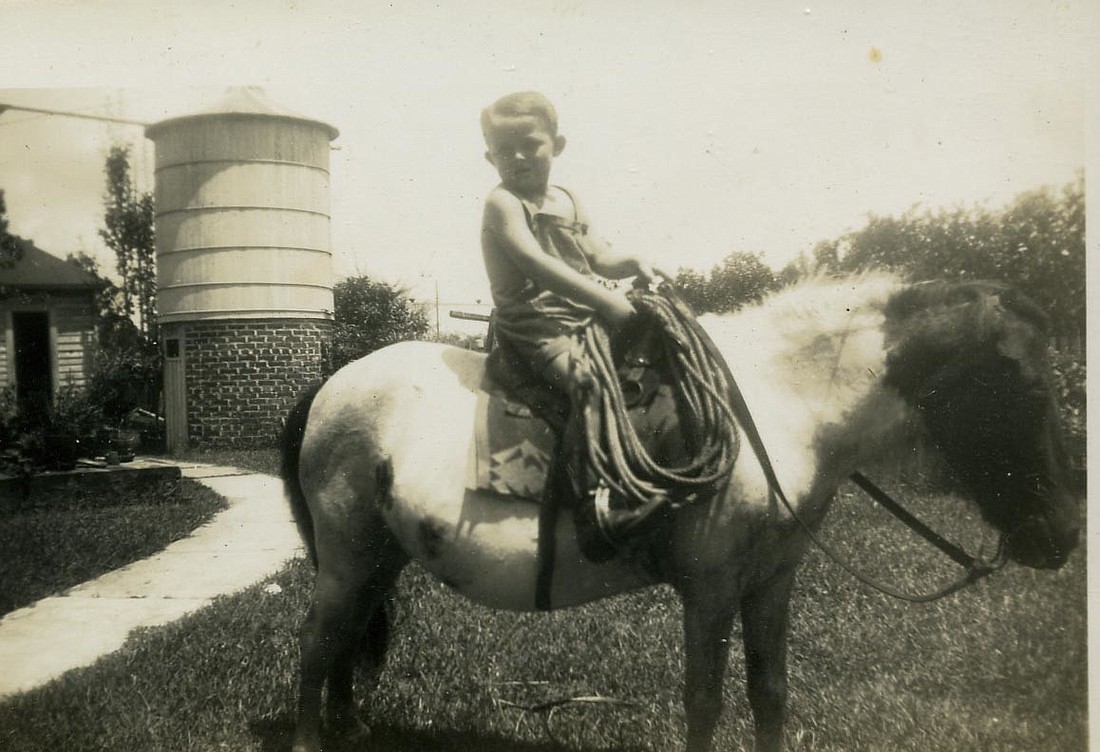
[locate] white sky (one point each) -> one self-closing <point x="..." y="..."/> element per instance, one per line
<point x="695" y="129"/>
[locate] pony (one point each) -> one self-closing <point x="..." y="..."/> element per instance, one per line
<point x="839" y="372"/>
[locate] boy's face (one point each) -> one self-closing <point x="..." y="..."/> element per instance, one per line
<point x="522" y="151"/>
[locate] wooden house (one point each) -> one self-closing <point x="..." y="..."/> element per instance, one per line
<point x="48" y="315"/>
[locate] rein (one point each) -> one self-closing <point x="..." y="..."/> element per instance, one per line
<point x="976" y="568"/>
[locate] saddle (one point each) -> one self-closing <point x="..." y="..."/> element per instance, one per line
<point x="653" y="423"/>
<point x="525" y="425"/>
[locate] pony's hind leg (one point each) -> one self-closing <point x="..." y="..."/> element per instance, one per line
<point x="366" y="648"/>
<point x="357" y="568"/>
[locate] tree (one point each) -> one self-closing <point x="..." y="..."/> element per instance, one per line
<point x="10" y="250"/>
<point x="126" y="370"/>
<point x="129" y="233"/>
<point x="370" y="315"/>
<point x="1036" y="244"/>
<point x="739" y="279"/>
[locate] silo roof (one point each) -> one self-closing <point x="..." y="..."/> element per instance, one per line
<point x="244" y="101"/>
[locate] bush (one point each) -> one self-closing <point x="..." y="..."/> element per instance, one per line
<point x="370" y="315"/>
<point x="127" y="372"/>
<point x="47" y="437"/>
<point x="1069" y="385"/>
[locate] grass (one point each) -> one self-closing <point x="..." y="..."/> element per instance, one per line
<point x="256" y="460"/>
<point x="999" y="667"/>
<point x="46" y="551"/>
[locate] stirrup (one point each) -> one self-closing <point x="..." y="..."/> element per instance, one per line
<point x="619" y="526"/>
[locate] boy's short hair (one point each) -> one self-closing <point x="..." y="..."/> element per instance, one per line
<point x="520" y="104"/>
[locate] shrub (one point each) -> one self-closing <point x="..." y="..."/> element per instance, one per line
<point x="1069" y="384"/>
<point x="127" y="372"/>
<point x="370" y="315"/>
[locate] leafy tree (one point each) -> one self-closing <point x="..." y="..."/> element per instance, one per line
<point x="796" y="269"/>
<point x="739" y="279"/>
<point x="108" y="299"/>
<point x="370" y="315"/>
<point x="1036" y="244"/>
<point x="126" y="371"/>
<point x="129" y="233"/>
<point x="465" y="341"/>
<point x="10" y="250"/>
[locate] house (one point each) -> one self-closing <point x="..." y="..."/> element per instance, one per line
<point x="48" y="320"/>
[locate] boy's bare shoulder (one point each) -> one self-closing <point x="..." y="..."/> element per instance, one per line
<point x="501" y="204"/>
<point x="502" y="197"/>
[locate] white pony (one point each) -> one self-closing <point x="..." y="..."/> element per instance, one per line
<point x="838" y="373"/>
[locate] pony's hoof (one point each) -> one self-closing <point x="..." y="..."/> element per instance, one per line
<point x="349" y="728"/>
<point x="306" y="746"/>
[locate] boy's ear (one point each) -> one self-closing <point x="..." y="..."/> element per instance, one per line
<point x="559" y="145"/>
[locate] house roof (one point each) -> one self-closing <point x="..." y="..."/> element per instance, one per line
<point x="39" y="270"/>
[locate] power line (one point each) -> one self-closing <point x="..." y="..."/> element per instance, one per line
<point x="103" y="118"/>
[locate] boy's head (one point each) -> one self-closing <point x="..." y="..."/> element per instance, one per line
<point x="518" y="109"/>
<point x="521" y="131"/>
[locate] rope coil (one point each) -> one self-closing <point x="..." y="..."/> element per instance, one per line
<point x="701" y="390"/>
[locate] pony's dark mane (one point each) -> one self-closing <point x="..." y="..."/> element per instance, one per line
<point x="943" y="295"/>
<point x="928" y="323"/>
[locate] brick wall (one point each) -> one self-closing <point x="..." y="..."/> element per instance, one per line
<point x="243" y="376"/>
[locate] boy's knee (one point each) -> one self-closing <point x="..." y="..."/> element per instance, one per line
<point x="557" y="371"/>
<point x="565" y="372"/>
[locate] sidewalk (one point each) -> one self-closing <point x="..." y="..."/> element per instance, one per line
<point x="250" y="540"/>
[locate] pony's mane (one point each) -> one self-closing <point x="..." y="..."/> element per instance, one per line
<point x="980" y="295"/>
<point x="814" y="342"/>
<point x="820" y="305"/>
<point x="830" y="300"/>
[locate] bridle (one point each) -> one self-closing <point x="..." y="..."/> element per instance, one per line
<point x="975" y="567"/>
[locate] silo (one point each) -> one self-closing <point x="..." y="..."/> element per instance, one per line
<point x="244" y="266"/>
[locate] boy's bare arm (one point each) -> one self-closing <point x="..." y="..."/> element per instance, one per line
<point x="505" y="225"/>
<point x="614" y="264"/>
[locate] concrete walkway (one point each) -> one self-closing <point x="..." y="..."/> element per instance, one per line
<point x="250" y="540"/>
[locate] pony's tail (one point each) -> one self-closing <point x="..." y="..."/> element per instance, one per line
<point x="290" y="444"/>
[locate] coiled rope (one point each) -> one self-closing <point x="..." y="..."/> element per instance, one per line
<point x="701" y="389"/>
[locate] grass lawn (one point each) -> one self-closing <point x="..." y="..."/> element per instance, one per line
<point x="255" y="460"/>
<point x="998" y="667"/>
<point x="45" y="551"/>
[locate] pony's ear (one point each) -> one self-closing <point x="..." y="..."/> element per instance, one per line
<point x="1023" y="333"/>
<point x="1017" y="303"/>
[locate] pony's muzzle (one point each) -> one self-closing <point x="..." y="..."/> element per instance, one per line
<point x="1039" y="544"/>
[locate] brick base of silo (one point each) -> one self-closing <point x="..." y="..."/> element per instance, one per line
<point x="243" y="376"/>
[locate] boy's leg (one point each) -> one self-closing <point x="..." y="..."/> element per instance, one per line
<point x="601" y="529"/>
<point x="557" y="372"/>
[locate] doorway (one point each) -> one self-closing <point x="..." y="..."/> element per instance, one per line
<point x="33" y="361"/>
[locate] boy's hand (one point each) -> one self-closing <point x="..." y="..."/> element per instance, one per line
<point x="618" y="312"/>
<point x="648" y="272"/>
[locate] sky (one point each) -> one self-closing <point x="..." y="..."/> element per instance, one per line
<point x="693" y="129"/>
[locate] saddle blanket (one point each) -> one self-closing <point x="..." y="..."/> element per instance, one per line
<point x="512" y="449"/>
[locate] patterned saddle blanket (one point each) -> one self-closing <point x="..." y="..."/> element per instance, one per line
<point x="512" y="451"/>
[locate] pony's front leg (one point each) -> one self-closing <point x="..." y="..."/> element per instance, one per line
<point x="708" y="618"/>
<point x="765" y="613"/>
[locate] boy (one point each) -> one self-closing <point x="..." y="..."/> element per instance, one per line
<point x="541" y="259"/>
<point x="542" y="263"/>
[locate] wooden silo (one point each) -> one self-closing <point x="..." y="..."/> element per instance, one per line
<point x="244" y="266"/>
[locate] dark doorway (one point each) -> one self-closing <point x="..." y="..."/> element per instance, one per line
<point x="33" y="379"/>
